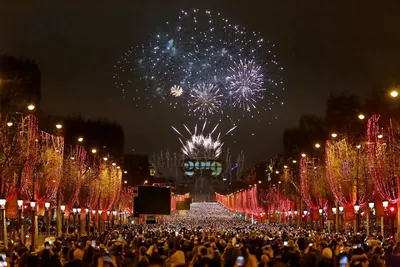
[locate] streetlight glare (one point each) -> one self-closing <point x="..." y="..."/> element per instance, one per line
<point x="105" y="158"/>
<point x="317" y="145"/>
<point x="358" y="146"/>
<point x="58" y="126"/>
<point x="334" y="135"/>
<point x="380" y="136"/>
<point x="303" y="155"/>
<point x="94" y="151"/>
<point x="394" y="93"/>
<point x="361" y="116"/>
<point x="80" y="139"/>
<point x="9" y="124"/>
<point x="31" y="107"/>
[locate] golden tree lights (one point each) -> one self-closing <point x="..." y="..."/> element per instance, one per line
<point x="346" y="168"/>
<point x="383" y="155"/>
<point x="313" y="183"/>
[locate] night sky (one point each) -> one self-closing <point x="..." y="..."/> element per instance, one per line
<point x="340" y="46"/>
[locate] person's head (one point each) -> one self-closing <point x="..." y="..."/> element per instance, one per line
<point x="78" y="254"/>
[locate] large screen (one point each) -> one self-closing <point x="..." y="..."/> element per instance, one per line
<point x="154" y="200"/>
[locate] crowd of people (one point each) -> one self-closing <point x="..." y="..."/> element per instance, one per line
<point x="207" y="236"/>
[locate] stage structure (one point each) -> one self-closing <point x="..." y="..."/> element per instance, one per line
<point x="201" y="162"/>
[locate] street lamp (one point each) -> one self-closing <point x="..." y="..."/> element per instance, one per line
<point x="394" y="93"/>
<point x="87" y="219"/>
<point x="33" y="227"/>
<point x="46" y="211"/>
<point x="58" y="126"/>
<point x="114" y="213"/>
<point x="259" y="181"/>
<point x="380" y="136"/>
<point x="371" y="204"/>
<point x="341" y="209"/>
<point x="303" y="155"/>
<point x="105" y="158"/>
<point x="3" y="233"/>
<point x="80" y="139"/>
<point x="334" y="135"/>
<point x="94" y="151"/>
<point x="356" y="207"/>
<point x="277" y="172"/>
<point x="31" y="107"/>
<point x="361" y="116"/>
<point x="285" y="166"/>
<point x="385" y="204"/>
<point x="20" y="203"/>
<point x="317" y="145"/>
<point x="294" y="161"/>
<point x="114" y="164"/>
<point x="145" y="182"/>
<point x="99" y="218"/>
<point x="10" y="123"/>
<point x="334" y="210"/>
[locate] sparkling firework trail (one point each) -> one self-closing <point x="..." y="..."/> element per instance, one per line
<point x="205" y="100"/>
<point x="200" y="145"/>
<point x="206" y="64"/>
<point x="246" y="85"/>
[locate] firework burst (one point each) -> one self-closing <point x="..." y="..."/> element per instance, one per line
<point x="205" y="100"/>
<point x="176" y="91"/>
<point x="201" y="49"/>
<point x="200" y="145"/>
<point x="246" y="85"/>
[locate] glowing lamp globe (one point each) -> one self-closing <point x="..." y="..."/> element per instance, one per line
<point x="62" y="207"/>
<point x="394" y="93"/>
<point x="371" y="204"/>
<point x="385" y="203"/>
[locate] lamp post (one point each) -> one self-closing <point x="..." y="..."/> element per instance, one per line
<point x="3" y="231"/>
<point x="305" y="218"/>
<point x="321" y="214"/>
<point x="120" y="217"/>
<point x="33" y="226"/>
<point x="370" y="222"/>
<point x="87" y="220"/>
<point x="113" y="218"/>
<point x="99" y="218"/>
<point x="94" y="219"/>
<point x="20" y="225"/>
<point x="357" y="210"/>
<point x="47" y="217"/>
<point x="385" y="205"/>
<point x="78" y="210"/>
<point x="341" y="211"/>
<point x="334" y="211"/>
<point x="74" y="215"/>
<point x="62" y="208"/>
<point x="108" y="218"/>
